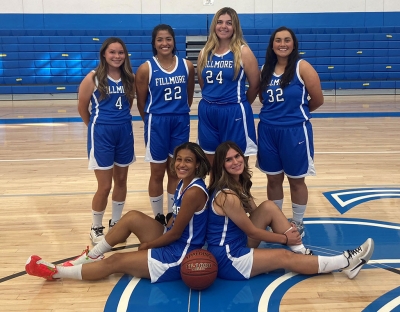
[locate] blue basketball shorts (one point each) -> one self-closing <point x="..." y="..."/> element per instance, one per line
<point x="162" y="133"/>
<point x="286" y="149"/>
<point x="233" y="264"/>
<point x="226" y="122"/>
<point x="165" y="262"/>
<point x="110" y="145"/>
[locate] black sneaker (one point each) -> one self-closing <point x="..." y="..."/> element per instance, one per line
<point x="110" y="225"/>
<point x="96" y="234"/>
<point x="160" y="218"/>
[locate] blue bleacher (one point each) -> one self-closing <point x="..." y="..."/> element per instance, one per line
<point x="46" y="60"/>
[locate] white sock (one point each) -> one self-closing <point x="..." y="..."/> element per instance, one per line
<point x="300" y="249"/>
<point x="298" y="212"/>
<point x="170" y="201"/>
<point x="117" y="208"/>
<point x="97" y="218"/>
<point x="74" y="272"/>
<point x="100" y="249"/>
<point x="329" y="264"/>
<point x="279" y="203"/>
<point x="157" y="204"/>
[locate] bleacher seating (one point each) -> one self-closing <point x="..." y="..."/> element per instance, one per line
<point x="345" y="58"/>
<point x="56" y="61"/>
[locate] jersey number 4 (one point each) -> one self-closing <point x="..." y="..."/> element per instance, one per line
<point x="118" y="104"/>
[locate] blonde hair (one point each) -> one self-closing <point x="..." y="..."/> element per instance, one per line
<point x="212" y="44"/>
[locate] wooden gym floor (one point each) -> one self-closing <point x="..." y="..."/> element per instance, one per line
<point x="46" y="192"/>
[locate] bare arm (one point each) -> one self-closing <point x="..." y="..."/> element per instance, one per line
<point x="142" y="86"/>
<point x="190" y="83"/>
<point x="194" y="200"/>
<point x="86" y="89"/>
<point x="252" y="72"/>
<point x="313" y="85"/>
<point x="134" y="89"/>
<point x="233" y="209"/>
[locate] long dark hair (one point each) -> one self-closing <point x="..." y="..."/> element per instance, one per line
<point x="271" y="60"/>
<point x="101" y="71"/>
<point x="201" y="159"/>
<point x="221" y="179"/>
<point x="154" y="35"/>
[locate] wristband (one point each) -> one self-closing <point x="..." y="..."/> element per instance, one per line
<point x="286" y="239"/>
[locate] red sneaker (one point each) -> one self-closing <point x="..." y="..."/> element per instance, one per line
<point x="37" y="267"/>
<point x="82" y="259"/>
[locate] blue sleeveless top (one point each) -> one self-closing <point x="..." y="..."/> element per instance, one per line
<point x="114" y="108"/>
<point x="288" y="106"/>
<point x="219" y="86"/>
<point x="167" y="92"/>
<point x="221" y="230"/>
<point x="195" y="232"/>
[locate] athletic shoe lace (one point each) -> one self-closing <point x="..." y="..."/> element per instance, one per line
<point x="354" y="252"/>
<point x="98" y="231"/>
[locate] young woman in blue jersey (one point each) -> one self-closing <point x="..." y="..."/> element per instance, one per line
<point x="290" y="90"/>
<point x="223" y="66"/>
<point x="105" y="100"/>
<point x="162" y="248"/>
<point x="236" y="226"/>
<point x="165" y="87"/>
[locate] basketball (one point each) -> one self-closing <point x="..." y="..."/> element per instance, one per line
<point x="199" y="269"/>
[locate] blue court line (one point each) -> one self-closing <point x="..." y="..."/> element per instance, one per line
<point x="383" y="300"/>
<point x="195" y="117"/>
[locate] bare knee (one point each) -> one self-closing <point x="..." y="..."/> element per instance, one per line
<point x="132" y="216"/>
<point x="113" y="263"/>
<point x="268" y="206"/>
<point x="275" y="181"/>
<point x="296" y="184"/>
<point x="120" y="182"/>
<point x="287" y="257"/>
<point x="104" y="189"/>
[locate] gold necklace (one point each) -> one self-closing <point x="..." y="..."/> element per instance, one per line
<point x="166" y="68"/>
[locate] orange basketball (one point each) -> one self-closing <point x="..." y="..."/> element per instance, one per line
<point x="199" y="269"/>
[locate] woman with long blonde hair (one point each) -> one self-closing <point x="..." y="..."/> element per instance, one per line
<point x="225" y="66"/>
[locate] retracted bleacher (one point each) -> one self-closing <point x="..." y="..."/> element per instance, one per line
<point x="56" y="61"/>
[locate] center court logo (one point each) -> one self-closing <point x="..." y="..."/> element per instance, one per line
<point x="344" y="200"/>
<point x="325" y="236"/>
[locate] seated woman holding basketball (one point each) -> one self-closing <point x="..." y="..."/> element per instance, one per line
<point x="162" y="248"/>
<point x="233" y="236"/>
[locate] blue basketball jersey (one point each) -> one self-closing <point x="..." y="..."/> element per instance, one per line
<point x="288" y="106"/>
<point x="114" y="108"/>
<point x="167" y="93"/>
<point x="195" y="232"/>
<point x="222" y="231"/>
<point x="220" y="87"/>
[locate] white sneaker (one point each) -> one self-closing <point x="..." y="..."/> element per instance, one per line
<point x="308" y="252"/>
<point x="358" y="257"/>
<point x="299" y="226"/>
<point x="82" y="259"/>
<point x="96" y="234"/>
